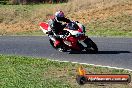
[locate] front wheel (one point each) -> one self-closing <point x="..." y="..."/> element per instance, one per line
<point x="91" y="46"/>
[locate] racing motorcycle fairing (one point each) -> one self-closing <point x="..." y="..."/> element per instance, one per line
<point x="73" y="42"/>
<point x="75" y="28"/>
<point x="73" y="38"/>
<point x="44" y="27"/>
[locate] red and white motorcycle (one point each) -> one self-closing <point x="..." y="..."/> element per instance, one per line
<point x="74" y="39"/>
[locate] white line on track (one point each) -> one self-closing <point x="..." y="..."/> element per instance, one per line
<point x="93" y="65"/>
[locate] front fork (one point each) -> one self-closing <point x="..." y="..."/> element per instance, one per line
<point x="82" y="43"/>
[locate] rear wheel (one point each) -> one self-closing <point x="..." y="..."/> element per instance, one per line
<point x="91" y="46"/>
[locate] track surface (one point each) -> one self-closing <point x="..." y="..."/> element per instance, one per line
<point x="115" y="52"/>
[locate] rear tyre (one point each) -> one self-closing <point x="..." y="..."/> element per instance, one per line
<point x="91" y="46"/>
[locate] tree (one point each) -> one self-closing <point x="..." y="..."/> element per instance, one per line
<point x="35" y="1"/>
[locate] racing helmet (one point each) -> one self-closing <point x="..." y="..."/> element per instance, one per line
<point x="59" y="15"/>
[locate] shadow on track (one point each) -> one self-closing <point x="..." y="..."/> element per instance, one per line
<point x="101" y="52"/>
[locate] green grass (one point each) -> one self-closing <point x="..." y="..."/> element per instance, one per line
<point x="29" y="72"/>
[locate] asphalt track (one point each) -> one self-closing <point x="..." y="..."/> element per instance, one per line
<point x="115" y="52"/>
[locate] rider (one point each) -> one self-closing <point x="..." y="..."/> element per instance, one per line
<point x="56" y="26"/>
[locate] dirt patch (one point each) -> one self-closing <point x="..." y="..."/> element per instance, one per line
<point x="6" y="29"/>
<point x="86" y="16"/>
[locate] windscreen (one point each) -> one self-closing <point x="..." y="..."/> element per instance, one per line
<point x="72" y="26"/>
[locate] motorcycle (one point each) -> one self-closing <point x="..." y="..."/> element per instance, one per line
<point x="74" y="38"/>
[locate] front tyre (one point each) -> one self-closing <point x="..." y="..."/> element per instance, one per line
<point x="91" y="46"/>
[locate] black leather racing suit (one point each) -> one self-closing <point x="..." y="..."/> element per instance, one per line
<point x="56" y="26"/>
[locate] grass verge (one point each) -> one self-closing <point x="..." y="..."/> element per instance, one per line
<point x="29" y="72"/>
